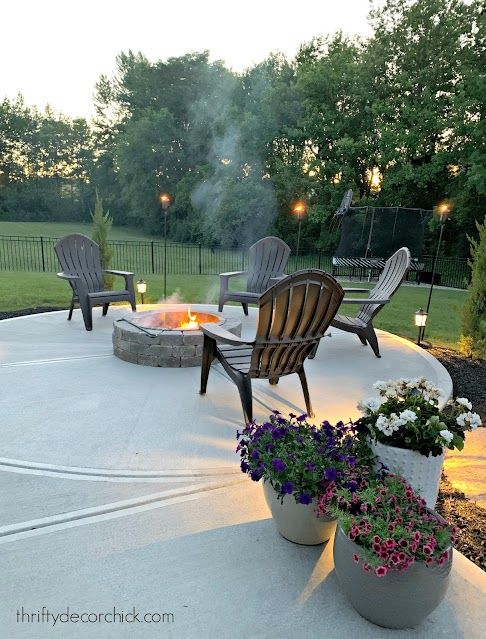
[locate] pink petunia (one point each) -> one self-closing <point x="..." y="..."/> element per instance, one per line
<point x="381" y="571"/>
<point x="355" y="558"/>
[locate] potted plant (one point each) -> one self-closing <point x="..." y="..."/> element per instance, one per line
<point x="297" y="461"/>
<point x="408" y="431"/>
<point x="392" y="554"/>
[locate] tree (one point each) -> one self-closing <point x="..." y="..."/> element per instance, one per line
<point x="102" y="223"/>
<point x="473" y="339"/>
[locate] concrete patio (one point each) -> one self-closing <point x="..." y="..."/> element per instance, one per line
<point x="120" y="487"/>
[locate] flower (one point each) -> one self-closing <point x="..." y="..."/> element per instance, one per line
<point x="387" y="542"/>
<point x="464" y="402"/>
<point x="278" y="465"/>
<point x="298" y="458"/>
<point x="409" y="416"/>
<point x="446" y="435"/>
<point x="371" y="404"/>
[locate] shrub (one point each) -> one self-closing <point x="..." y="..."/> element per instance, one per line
<point x="473" y="339"/>
<point x="102" y="223"/>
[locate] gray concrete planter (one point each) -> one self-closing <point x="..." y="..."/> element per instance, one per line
<point x="421" y="472"/>
<point x="397" y="600"/>
<point x="298" y="522"/>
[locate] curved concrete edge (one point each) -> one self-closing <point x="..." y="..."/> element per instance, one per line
<point x="444" y="379"/>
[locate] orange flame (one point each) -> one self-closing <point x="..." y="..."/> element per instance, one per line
<point x="191" y="322"/>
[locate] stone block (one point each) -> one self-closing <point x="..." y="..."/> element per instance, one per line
<point x="190" y="361"/>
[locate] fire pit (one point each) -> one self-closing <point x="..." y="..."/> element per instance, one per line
<point x="166" y="337"/>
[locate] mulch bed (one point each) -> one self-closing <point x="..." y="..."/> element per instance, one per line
<point x="469" y="379"/>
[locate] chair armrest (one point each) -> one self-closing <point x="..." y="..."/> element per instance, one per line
<point x="356" y="290"/>
<point x="233" y="274"/>
<point x="114" y="272"/>
<point x="68" y="276"/>
<point x="367" y="300"/>
<point x="222" y="335"/>
<point x="276" y="279"/>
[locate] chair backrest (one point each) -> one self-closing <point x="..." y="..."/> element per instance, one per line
<point x="267" y="258"/>
<point x="393" y="274"/>
<point x="79" y="255"/>
<point x="293" y="316"/>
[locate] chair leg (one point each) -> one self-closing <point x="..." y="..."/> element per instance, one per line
<point x="372" y="340"/>
<point x="87" y="314"/>
<point x="71" y="309"/>
<point x="313" y="352"/>
<point x="362" y="339"/>
<point x="209" y="351"/>
<point x="105" y="309"/>
<point x="245" y="307"/>
<point x="243" y="384"/>
<point x="273" y="381"/>
<point x="305" y="389"/>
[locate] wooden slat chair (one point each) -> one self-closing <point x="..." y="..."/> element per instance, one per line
<point x="392" y="276"/>
<point x="267" y="260"/>
<point x="293" y="316"/>
<point x="80" y="261"/>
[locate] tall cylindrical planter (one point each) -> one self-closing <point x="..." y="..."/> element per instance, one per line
<point x="298" y="522"/>
<point x="421" y="472"/>
<point x="397" y="600"/>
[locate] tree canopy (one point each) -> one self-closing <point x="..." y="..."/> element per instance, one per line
<point x="396" y="118"/>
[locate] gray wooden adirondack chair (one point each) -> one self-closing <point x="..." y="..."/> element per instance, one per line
<point x="393" y="274"/>
<point x="80" y="261"/>
<point x="293" y="316"/>
<point x="267" y="260"/>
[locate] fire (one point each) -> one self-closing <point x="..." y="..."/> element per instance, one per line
<point x="192" y="322"/>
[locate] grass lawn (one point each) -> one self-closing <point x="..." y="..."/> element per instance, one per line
<point x="58" y="229"/>
<point x="24" y="290"/>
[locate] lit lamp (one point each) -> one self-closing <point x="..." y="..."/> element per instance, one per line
<point x="164" y="199"/>
<point x="300" y="209"/>
<point x="420" y="322"/>
<point x="142" y="288"/>
<point x="443" y="210"/>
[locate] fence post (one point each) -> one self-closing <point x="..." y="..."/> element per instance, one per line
<point x="200" y="259"/>
<point x="43" y="256"/>
<point x="152" y="256"/>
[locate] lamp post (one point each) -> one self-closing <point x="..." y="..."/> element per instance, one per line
<point x="299" y="209"/>
<point x="142" y="287"/>
<point x="165" y="203"/>
<point x="444" y="210"/>
<point x="420" y="322"/>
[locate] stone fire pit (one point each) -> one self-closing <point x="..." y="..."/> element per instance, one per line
<point x="155" y="338"/>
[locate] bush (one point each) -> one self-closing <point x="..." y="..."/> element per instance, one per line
<point x="473" y="339"/>
<point x="102" y="223"/>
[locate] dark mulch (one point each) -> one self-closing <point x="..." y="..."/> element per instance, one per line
<point x="469" y="380"/>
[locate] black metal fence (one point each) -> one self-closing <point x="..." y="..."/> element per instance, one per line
<point x="36" y="254"/>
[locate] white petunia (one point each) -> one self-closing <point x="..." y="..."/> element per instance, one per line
<point x="446" y="435"/>
<point x="371" y="404"/>
<point x="383" y="424"/>
<point x="471" y="420"/>
<point x="464" y="402"/>
<point x="408" y="416"/>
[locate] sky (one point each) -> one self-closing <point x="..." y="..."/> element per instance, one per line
<point x="54" y="51"/>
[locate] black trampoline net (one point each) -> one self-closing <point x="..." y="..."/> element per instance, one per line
<point x="380" y="231"/>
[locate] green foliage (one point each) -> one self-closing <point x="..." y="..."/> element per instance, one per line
<point x="473" y="339"/>
<point x="102" y="223"/>
<point x="234" y="150"/>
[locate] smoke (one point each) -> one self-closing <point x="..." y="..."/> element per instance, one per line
<point x="236" y="198"/>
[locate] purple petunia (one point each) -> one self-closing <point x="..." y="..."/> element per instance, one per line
<point x="302" y="418"/>
<point x="304" y="498"/>
<point x="287" y="488"/>
<point x="278" y="465"/>
<point x="244" y="466"/>
<point x="330" y="474"/>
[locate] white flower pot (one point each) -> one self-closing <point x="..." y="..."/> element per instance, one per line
<point x="298" y="522"/>
<point x="421" y="472"/>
